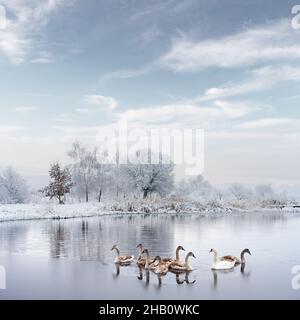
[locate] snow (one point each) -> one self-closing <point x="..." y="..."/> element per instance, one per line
<point x="14" y="212"/>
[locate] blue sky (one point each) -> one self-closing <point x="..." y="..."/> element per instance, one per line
<point x="230" y="67"/>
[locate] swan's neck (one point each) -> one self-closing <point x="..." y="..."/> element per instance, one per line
<point x="177" y="254"/>
<point x="147" y="259"/>
<point x="216" y="257"/>
<point x="117" y="251"/>
<point x="140" y="255"/>
<point x="187" y="261"/>
<point x="159" y="266"/>
<point x="243" y="257"/>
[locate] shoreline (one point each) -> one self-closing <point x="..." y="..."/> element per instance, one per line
<point x="35" y="212"/>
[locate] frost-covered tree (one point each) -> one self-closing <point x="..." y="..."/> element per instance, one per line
<point x="240" y="192"/>
<point x="103" y="176"/>
<point x="13" y="188"/>
<point x="195" y="188"/>
<point x="264" y="191"/>
<point x="84" y="168"/>
<point x="60" y="185"/>
<point x="218" y="194"/>
<point x="148" y="178"/>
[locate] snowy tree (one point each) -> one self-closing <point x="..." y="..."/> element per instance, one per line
<point x="149" y="178"/>
<point x="264" y="191"/>
<point x="218" y="194"/>
<point x="13" y="188"/>
<point x="195" y="188"/>
<point x="240" y="192"/>
<point x="103" y="176"/>
<point x="84" y="168"/>
<point x="60" y="185"/>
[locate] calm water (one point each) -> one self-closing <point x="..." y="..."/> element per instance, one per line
<point x="72" y="259"/>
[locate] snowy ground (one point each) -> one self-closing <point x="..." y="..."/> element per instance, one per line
<point x="54" y="211"/>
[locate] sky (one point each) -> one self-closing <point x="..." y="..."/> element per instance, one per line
<point x="232" y="68"/>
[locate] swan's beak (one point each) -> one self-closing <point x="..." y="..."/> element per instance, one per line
<point x="194" y="256"/>
<point x="183" y="249"/>
<point x="210" y="251"/>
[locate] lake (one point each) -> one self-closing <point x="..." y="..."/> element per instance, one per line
<point x="71" y="259"/>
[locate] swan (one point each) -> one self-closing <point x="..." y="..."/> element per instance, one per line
<point x="161" y="268"/>
<point x="176" y="260"/>
<point x="125" y="260"/>
<point x="236" y="259"/>
<point x="218" y="264"/>
<point x="141" y="261"/>
<point x="179" y="266"/>
<point x="149" y="264"/>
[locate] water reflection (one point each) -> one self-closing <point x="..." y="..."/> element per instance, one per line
<point x="271" y="236"/>
<point x="217" y="273"/>
<point x="222" y="273"/>
<point x="185" y="280"/>
<point x="89" y="239"/>
<point x="143" y="275"/>
<point x="243" y="273"/>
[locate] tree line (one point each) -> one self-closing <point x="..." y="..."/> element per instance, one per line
<point x="90" y="176"/>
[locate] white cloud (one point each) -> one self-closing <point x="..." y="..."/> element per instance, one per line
<point x="258" y="80"/>
<point x="25" y="109"/>
<point x="149" y="35"/>
<point x="267" y="123"/>
<point x="126" y="74"/>
<point x="97" y="103"/>
<point x="43" y="57"/>
<point x="187" y="115"/>
<point x="19" y="37"/>
<point x="9" y="129"/>
<point x="64" y="117"/>
<point x="252" y="84"/>
<point x="7" y="132"/>
<point x="272" y="42"/>
<point x="234" y="110"/>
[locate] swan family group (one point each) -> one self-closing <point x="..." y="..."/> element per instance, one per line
<point x="161" y="265"/>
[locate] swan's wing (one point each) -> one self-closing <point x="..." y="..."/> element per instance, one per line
<point x="141" y="262"/>
<point x="126" y="257"/>
<point x="177" y="266"/>
<point x="221" y="265"/>
<point x="167" y="260"/>
<point x="229" y="258"/>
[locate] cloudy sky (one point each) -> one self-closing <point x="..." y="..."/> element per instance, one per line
<point x="231" y="67"/>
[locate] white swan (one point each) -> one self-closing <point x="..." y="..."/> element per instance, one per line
<point x="219" y="264"/>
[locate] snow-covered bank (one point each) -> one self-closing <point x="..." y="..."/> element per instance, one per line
<point x="54" y="211"/>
